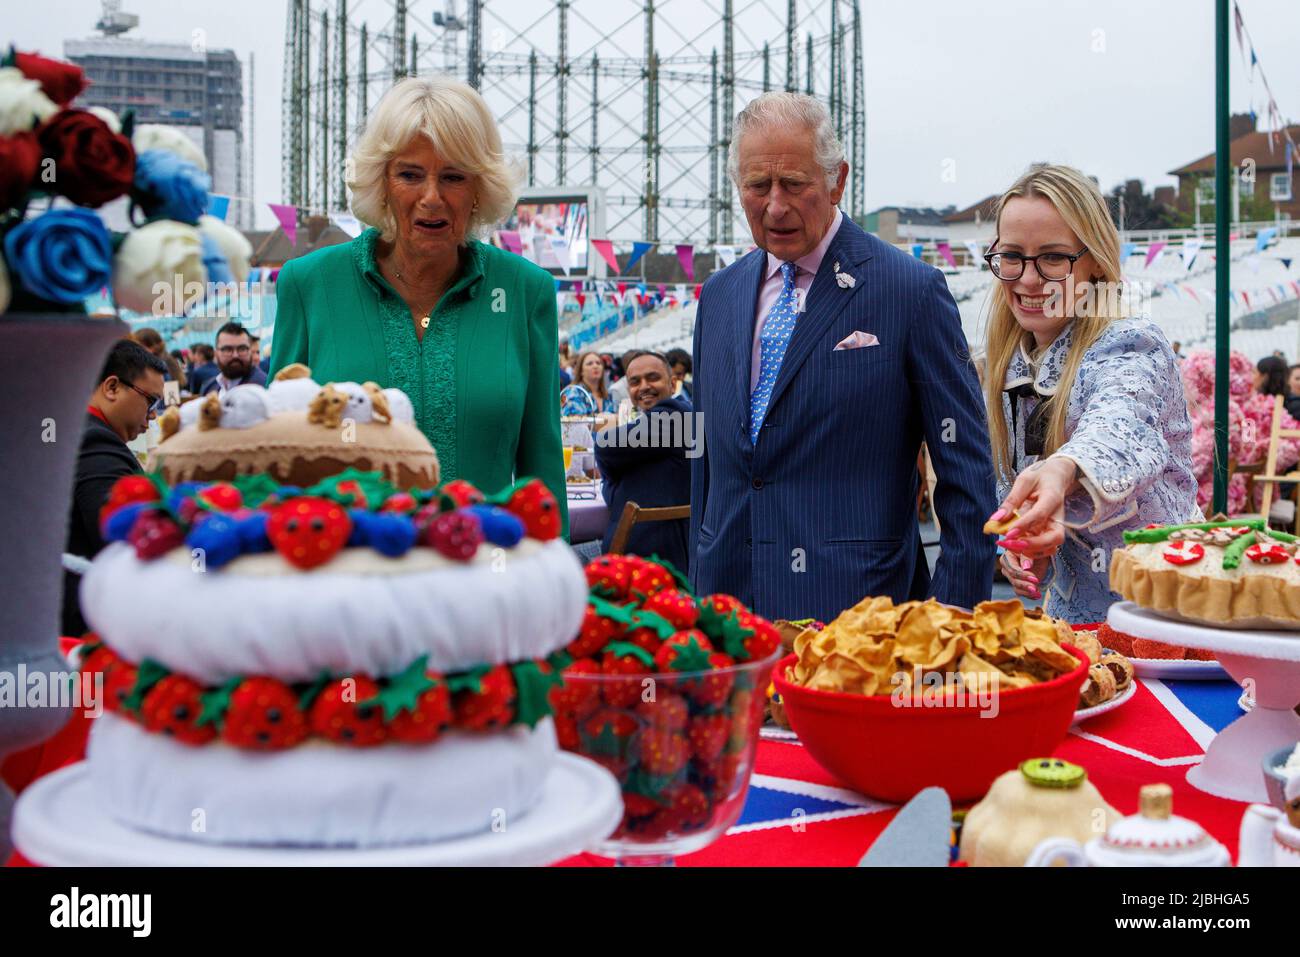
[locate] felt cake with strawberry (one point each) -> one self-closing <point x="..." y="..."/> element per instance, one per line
<point x="370" y="665"/>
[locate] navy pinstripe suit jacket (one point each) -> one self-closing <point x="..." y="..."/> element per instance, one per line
<point x="821" y="511"/>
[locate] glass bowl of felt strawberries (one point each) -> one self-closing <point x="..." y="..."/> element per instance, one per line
<point x="666" y="691"/>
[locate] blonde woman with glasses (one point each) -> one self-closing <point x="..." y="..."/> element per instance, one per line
<point x="1086" y="412"/>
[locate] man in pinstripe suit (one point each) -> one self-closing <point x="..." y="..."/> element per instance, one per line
<point x="822" y="359"/>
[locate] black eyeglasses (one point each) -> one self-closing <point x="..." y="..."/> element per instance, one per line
<point x="155" y="402"/>
<point x="1051" y="266"/>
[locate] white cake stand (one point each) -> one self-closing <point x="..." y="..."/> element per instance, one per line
<point x="58" y="822"/>
<point x="1268" y="659"/>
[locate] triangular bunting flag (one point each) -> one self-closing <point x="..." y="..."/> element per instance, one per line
<point x="218" y="206"/>
<point x="727" y="254"/>
<point x="1190" y="248"/>
<point x="686" y="256"/>
<point x="1154" y="253"/>
<point x="288" y="219"/>
<point x="606" y="250"/>
<point x="639" y="249"/>
<point x="348" y="223"/>
<point x="945" y="251"/>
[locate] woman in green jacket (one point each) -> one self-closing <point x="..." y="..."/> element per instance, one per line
<point x="467" y="330"/>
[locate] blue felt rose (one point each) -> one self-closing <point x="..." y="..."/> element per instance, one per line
<point x="168" y="187"/>
<point x="63" y="255"/>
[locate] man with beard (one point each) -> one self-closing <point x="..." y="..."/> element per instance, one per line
<point x="235" y="360"/>
<point x="648" y="461"/>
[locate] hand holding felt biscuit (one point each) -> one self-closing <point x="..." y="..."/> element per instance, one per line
<point x="1042" y="487"/>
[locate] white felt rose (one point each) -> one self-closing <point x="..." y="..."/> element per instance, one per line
<point x="22" y="104"/>
<point x="237" y="250"/>
<point x="165" y="254"/>
<point x="151" y="136"/>
<point x="108" y="116"/>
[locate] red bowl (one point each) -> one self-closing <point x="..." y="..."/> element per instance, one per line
<point x="877" y="746"/>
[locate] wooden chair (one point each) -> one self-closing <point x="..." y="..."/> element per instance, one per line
<point x="634" y="513"/>
<point x="1269" y="474"/>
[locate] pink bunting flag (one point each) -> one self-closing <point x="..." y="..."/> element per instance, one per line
<point x="945" y="251"/>
<point x="582" y="299"/>
<point x="701" y="286"/>
<point x="1154" y="252"/>
<point x="606" y="249"/>
<point x="686" y="256"/>
<point x="622" y="288"/>
<point x="510" y="239"/>
<point x="288" y="218"/>
<point x="1245" y="298"/>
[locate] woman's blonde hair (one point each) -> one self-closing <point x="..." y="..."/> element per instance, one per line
<point x="460" y="126"/>
<point x="1081" y="205"/>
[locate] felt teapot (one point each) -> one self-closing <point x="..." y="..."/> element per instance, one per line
<point x="1270" y="837"/>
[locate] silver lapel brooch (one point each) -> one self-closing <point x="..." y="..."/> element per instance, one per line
<point x="844" y="279"/>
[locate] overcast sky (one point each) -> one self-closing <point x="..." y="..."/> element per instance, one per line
<point x="961" y="96"/>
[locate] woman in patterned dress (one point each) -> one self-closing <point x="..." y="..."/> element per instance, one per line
<point x="588" y="394"/>
<point x="1086" y="410"/>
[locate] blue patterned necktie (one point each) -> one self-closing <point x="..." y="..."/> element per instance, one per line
<point x="773" y="340"/>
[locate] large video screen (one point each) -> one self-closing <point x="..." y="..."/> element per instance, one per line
<point x="552" y="232"/>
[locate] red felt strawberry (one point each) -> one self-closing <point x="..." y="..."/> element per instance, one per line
<point x="603" y="622"/>
<point x="662" y="752"/>
<point x="707" y="735"/>
<point x="483" y="699"/>
<point x="711" y="689"/>
<point x="676" y="606"/>
<point x="429" y="716"/>
<point x="119" y="679"/>
<point x="263" y="714"/>
<point x="608" y="733"/>
<point x="745" y="719"/>
<point x="172" y="707"/>
<point x="350" y="494"/>
<point x="718" y="777"/>
<point x="220" y="497"/>
<point x="684" y="651"/>
<point x="648" y="631"/>
<point x="714" y="609"/>
<point x="457" y="535"/>
<point x="336" y="713"/>
<point x="639" y="805"/>
<point x="97" y="657"/>
<point x="154" y="534"/>
<point x="667" y="710"/>
<point x="577" y="698"/>
<point x="647" y="579"/>
<point x="462" y="494"/>
<point x="534" y="505"/>
<point x="566" y="731"/>
<point x="630" y="661"/>
<point x="609" y="575"/>
<point x="400" y="502"/>
<point x="746" y="636"/>
<point x="687" y="808"/>
<point x="308" y="532"/>
<point x="128" y="490"/>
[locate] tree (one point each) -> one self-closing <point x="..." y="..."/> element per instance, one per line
<point x="1141" y="210"/>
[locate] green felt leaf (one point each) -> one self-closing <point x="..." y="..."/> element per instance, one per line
<point x="690" y="656"/>
<point x="623" y="614"/>
<point x="733" y="634"/>
<point x="216" y="702"/>
<point x="313" y="690"/>
<point x="471" y="680"/>
<point x="661" y="626"/>
<point x="255" y="489"/>
<point x="533" y="687"/>
<point x="652" y="786"/>
<point x="710" y="620"/>
<point x="626" y="648"/>
<point x="147" y="675"/>
<point x="373" y="487"/>
<point x="402" y="691"/>
<point x="559" y="660"/>
<point x="683" y="583"/>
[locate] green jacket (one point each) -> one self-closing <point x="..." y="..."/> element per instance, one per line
<point x="485" y="381"/>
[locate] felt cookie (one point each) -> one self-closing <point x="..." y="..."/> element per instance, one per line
<point x="1001" y="527"/>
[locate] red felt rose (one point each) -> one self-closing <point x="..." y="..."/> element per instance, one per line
<point x="60" y="81"/>
<point x="20" y="157"/>
<point x="92" y="164"/>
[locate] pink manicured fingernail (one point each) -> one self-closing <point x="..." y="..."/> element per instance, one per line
<point x="998" y="516"/>
<point x="1032" y="578"/>
<point x="1016" y="532"/>
<point x="1026" y="564"/>
<point x="1033" y="593"/>
<point x="1011" y="546"/>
